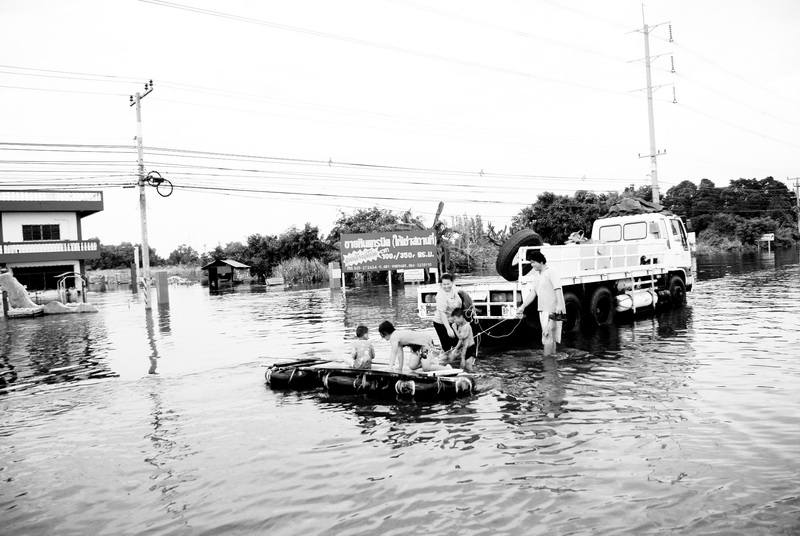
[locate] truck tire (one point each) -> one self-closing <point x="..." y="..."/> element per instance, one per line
<point x="505" y="257"/>
<point x="574" y="313"/>
<point x="677" y="291"/>
<point x="601" y="306"/>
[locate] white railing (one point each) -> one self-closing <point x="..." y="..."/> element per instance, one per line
<point x="44" y="195"/>
<point x="604" y="258"/>
<point x="64" y="246"/>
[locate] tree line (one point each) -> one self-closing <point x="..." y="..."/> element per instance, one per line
<point x="723" y="217"/>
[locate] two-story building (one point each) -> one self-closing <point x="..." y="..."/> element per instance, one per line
<point x="41" y="238"/>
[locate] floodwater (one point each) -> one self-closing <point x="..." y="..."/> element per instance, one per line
<point x="135" y="422"/>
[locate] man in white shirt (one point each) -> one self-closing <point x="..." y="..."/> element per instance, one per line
<point x="546" y="284"/>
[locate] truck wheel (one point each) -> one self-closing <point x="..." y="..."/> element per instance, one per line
<point x="677" y="291"/>
<point x="505" y="257"/>
<point x="574" y="313"/>
<point x="601" y="306"/>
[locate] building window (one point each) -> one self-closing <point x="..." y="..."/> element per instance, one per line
<point x="41" y="232"/>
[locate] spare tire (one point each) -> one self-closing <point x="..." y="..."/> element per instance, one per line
<point x="505" y="258"/>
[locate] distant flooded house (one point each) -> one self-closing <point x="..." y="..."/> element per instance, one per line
<point x="41" y="236"/>
<point x="226" y="273"/>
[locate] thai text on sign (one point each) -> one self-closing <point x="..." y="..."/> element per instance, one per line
<point x="395" y="250"/>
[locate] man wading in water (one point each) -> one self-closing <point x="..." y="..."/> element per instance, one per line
<point x="546" y="285"/>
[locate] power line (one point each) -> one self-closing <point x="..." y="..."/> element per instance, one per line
<point x="352" y="40"/>
<point x="64" y="91"/>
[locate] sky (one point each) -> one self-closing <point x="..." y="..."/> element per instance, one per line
<point x="266" y="115"/>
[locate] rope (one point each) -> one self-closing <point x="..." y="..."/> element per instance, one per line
<point x="486" y="331"/>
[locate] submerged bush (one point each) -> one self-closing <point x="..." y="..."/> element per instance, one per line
<point x="712" y="240"/>
<point x="301" y="270"/>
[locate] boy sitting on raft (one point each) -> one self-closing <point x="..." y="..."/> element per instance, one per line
<point x="362" y="351"/>
<point x="465" y="349"/>
<point x="424" y="354"/>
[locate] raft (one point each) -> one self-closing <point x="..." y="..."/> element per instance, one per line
<point x="292" y="377"/>
<point x="377" y="383"/>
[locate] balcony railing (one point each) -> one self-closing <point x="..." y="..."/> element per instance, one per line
<point x="60" y="246"/>
<point x="49" y="250"/>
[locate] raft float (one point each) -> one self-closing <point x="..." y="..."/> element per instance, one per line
<point x="307" y="374"/>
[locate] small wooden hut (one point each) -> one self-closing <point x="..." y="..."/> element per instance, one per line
<point x="225" y="273"/>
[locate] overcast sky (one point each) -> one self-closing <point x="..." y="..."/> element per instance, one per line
<point x="270" y="114"/>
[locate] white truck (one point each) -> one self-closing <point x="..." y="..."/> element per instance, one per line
<point x="633" y="262"/>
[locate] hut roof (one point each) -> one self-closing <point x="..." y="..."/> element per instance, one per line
<point x="224" y="262"/>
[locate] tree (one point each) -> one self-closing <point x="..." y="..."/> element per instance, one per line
<point x="750" y="230"/>
<point x="183" y="255"/>
<point x="744" y="197"/>
<point x="469" y="247"/>
<point x="371" y="220"/>
<point x="555" y="217"/>
<point x="643" y="192"/>
<point x="305" y="243"/>
<point x="262" y="254"/>
<point x="120" y="256"/>
<point x="236" y="251"/>
<point x="680" y="198"/>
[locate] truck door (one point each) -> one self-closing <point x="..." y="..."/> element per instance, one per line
<point x="679" y="234"/>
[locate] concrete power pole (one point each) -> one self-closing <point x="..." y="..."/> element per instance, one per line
<point x="653" y="153"/>
<point x="137" y="101"/>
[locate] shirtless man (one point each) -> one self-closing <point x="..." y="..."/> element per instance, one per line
<point x="423" y="353"/>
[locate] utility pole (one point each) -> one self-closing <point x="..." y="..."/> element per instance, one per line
<point x="137" y="101"/>
<point x="653" y="153"/>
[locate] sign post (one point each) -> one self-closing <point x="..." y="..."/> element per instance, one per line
<point x="768" y="238"/>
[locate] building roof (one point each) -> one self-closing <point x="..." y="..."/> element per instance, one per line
<point x="81" y="202"/>
<point x="224" y="262"/>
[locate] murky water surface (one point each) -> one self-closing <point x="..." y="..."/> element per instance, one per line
<point x="127" y="422"/>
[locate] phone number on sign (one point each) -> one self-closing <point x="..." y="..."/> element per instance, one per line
<point x="400" y="266"/>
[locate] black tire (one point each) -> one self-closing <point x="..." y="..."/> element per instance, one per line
<point x="601" y="307"/>
<point x="574" y="313"/>
<point x="677" y="291"/>
<point x="505" y="257"/>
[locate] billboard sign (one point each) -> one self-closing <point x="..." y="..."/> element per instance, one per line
<point x="393" y="250"/>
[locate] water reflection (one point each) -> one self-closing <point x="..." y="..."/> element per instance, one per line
<point x="163" y="319"/>
<point x="151" y="340"/>
<point x="717" y="265"/>
<point x="168" y="450"/>
<point x="52" y="349"/>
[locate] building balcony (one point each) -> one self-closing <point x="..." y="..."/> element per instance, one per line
<point x="56" y="250"/>
<point x="81" y="202"/>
